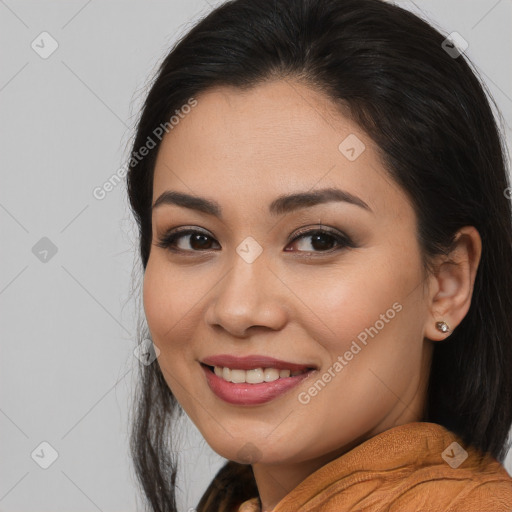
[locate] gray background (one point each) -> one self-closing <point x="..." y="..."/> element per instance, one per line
<point x="68" y="323"/>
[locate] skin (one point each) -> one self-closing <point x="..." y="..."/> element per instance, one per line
<point x="305" y="304"/>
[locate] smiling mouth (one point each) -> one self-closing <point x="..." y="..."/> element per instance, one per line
<point x="254" y="375"/>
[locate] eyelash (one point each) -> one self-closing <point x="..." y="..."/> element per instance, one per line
<point x="168" y="240"/>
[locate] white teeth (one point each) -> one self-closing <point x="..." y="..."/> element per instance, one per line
<point x="270" y="374"/>
<point x="254" y="376"/>
<point x="237" y="376"/>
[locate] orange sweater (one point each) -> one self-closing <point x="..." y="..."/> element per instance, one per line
<point x="409" y="468"/>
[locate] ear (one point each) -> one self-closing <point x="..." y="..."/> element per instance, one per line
<point x="451" y="285"/>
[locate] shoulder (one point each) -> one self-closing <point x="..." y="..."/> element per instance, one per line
<point x="457" y="491"/>
<point x="492" y="496"/>
<point x="484" y="487"/>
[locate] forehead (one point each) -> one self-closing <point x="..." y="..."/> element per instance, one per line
<point x="278" y="137"/>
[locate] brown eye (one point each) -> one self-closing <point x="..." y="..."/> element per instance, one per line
<point x="321" y="241"/>
<point x="194" y="241"/>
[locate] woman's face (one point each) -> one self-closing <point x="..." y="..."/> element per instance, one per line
<point x="258" y="279"/>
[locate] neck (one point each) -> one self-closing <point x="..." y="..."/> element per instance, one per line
<point x="275" y="481"/>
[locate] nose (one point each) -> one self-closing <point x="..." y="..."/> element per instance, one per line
<point x="249" y="296"/>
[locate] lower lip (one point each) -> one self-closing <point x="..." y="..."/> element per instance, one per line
<point x="251" y="394"/>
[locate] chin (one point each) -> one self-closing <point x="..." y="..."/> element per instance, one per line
<point x="256" y="451"/>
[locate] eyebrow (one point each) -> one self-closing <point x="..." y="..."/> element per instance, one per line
<point x="281" y="205"/>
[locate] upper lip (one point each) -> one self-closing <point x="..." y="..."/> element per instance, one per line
<point x="253" y="361"/>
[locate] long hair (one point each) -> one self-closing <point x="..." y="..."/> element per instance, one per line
<point x="433" y="124"/>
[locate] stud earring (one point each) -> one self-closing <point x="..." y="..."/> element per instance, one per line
<point x="443" y="327"/>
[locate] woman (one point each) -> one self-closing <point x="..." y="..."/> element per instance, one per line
<point x="325" y="234"/>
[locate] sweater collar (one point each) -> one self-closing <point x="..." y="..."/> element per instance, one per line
<point x="416" y="444"/>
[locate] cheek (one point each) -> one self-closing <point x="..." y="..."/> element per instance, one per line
<point x="171" y="328"/>
<point x="372" y="319"/>
<point x="348" y="302"/>
<point x="373" y="325"/>
<point x="164" y="304"/>
<point x="155" y="302"/>
<point x="174" y="301"/>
